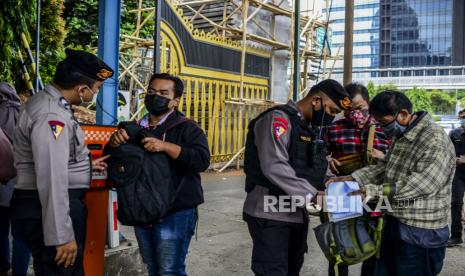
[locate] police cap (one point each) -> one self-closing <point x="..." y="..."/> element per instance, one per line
<point x="88" y="64"/>
<point x="335" y="91"/>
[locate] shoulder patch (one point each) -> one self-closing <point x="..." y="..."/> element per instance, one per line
<point x="279" y="126"/>
<point x="56" y="127"/>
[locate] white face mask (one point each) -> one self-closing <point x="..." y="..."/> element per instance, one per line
<point x="82" y="99"/>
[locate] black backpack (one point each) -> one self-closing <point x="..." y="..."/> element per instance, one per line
<point x="143" y="184"/>
<point x="142" y="179"/>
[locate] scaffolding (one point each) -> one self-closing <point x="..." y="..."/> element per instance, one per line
<point x="219" y="17"/>
<point x="236" y="23"/>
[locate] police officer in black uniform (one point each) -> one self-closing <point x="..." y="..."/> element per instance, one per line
<point x="285" y="157"/>
<point x="54" y="168"/>
<point x="458" y="185"/>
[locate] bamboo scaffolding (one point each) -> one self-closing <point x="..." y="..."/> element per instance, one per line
<point x="231" y="104"/>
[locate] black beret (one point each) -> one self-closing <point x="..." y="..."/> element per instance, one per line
<point x="88" y="64"/>
<point x="335" y="91"/>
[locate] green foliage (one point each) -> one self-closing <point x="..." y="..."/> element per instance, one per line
<point x="436" y="118"/>
<point x="81" y="23"/>
<point x="52" y="35"/>
<point x="371" y="89"/>
<point x="375" y="90"/>
<point x="129" y="20"/>
<point x="420" y="99"/>
<point x="442" y="102"/>
<point x="19" y="16"/>
<point x="461" y="94"/>
<point x="436" y="101"/>
<point x="12" y="23"/>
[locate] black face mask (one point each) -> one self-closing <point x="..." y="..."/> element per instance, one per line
<point x="321" y="118"/>
<point x="157" y="105"/>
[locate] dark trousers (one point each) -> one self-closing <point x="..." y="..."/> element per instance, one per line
<point x="278" y="247"/>
<point x="20" y="255"/>
<point x="27" y="224"/>
<point x="368" y="268"/>
<point x="399" y="258"/>
<point x="458" y="189"/>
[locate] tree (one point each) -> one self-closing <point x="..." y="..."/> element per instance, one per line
<point x="420" y="99"/>
<point x="371" y="89"/>
<point x="374" y="90"/>
<point x="82" y="21"/>
<point x="442" y="102"/>
<point x="19" y="17"/>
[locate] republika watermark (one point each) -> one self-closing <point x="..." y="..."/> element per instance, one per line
<point x="289" y="204"/>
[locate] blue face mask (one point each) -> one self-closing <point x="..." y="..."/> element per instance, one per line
<point x="393" y="129"/>
<point x="462" y="122"/>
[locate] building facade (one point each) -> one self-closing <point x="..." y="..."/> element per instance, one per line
<point x="366" y="34"/>
<point x="402" y="38"/>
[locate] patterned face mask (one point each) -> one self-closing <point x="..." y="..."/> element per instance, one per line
<point x="357" y="117"/>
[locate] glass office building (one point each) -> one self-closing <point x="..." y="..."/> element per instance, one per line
<point x="366" y="33"/>
<point x="401" y="34"/>
<point x="415" y="33"/>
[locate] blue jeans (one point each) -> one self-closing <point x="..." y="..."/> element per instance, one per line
<point x="21" y="254"/>
<point x="164" y="245"/>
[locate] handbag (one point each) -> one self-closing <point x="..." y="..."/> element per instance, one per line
<point x="7" y="169"/>
<point x="353" y="162"/>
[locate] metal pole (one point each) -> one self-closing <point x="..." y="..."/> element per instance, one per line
<point x="108" y="51"/>
<point x="157" y="38"/>
<point x="37" y="45"/>
<point x="296" y="49"/>
<point x="348" y="41"/>
<point x="245" y="12"/>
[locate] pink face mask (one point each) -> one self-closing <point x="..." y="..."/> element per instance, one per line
<point x="357" y="117"/>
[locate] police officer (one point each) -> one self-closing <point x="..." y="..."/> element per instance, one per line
<point x="54" y="169"/>
<point x="285" y="164"/>
<point x="458" y="185"/>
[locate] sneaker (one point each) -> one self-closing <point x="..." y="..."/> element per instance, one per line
<point x="454" y="242"/>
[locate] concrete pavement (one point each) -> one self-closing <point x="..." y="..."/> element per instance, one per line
<point x="224" y="246"/>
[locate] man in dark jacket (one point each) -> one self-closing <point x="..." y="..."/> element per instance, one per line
<point x="458" y="185"/>
<point x="164" y="244"/>
<point x="9" y="111"/>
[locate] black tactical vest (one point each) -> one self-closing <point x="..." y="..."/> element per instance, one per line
<point x="307" y="155"/>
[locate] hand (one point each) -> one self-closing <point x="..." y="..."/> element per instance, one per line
<point x="377" y="154"/>
<point x="361" y="192"/>
<point x="153" y="144"/>
<point x="459" y="161"/>
<point x="99" y="164"/>
<point x="338" y="179"/>
<point x="66" y="254"/>
<point x="118" y="138"/>
<point x="318" y="195"/>
<point x="333" y="164"/>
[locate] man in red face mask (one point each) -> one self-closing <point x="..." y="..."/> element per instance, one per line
<point x="347" y="142"/>
<point x="349" y="136"/>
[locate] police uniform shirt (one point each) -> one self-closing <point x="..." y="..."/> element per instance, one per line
<point x="273" y="144"/>
<point x="51" y="157"/>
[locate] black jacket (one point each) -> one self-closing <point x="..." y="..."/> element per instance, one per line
<point x="193" y="159"/>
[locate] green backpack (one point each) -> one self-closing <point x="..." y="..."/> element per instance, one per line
<point x="350" y="241"/>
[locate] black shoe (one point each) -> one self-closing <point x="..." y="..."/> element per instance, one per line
<point x="454" y="242"/>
